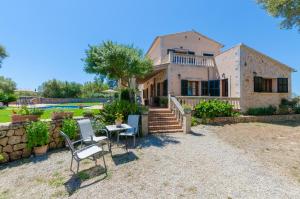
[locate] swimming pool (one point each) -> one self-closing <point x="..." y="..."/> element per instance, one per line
<point x="62" y="107"/>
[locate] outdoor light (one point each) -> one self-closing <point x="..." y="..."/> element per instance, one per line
<point x="223" y="75"/>
<point x="254" y="73"/>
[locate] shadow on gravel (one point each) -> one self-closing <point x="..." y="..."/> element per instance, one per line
<point x="33" y="159"/>
<point x="92" y="175"/>
<point x="159" y="140"/>
<point x="124" y="158"/>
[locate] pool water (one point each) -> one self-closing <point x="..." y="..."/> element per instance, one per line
<point x="63" y="107"/>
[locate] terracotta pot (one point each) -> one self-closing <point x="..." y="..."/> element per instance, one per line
<point x="15" y="118"/>
<point x="61" y="115"/>
<point x="40" y="150"/>
<point x="118" y="123"/>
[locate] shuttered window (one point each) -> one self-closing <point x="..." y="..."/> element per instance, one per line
<point x="262" y="84"/>
<point x="184" y="87"/>
<point x="214" y="87"/>
<point x="282" y="85"/>
<point x="204" y="88"/>
<point x="165" y="88"/>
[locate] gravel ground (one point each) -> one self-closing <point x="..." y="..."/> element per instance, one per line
<point x="197" y="165"/>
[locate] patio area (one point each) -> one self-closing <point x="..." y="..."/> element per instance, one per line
<point x="197" y="165"/>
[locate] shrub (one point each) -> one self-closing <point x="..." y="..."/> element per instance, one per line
<point x="163" y="101"/>
<point x="37" y="134"/>
<point x="194" y="121"/>
<point x="108" y="113"/>
<point x="88" y="113"/>
<point x="297" y="110"/>
<point x="29" y="111"/>
<point x="70" y="128"/>
<point x="270" y="110"/>
<point x="213" y="108"/>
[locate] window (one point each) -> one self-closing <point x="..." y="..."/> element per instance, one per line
<point x="282" y="85"/>
<point x="165" y="88"/>
<point x="262" y="84"/>
<point x="210" y="88"/>
<point x="214" y="87"/>
<point x="208" y="54"/>
<point x="204" y="88"/>
<point x="189" y="88"/>
<point x="158" y="89"/>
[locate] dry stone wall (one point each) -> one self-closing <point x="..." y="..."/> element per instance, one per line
<point x="13" y="140"/>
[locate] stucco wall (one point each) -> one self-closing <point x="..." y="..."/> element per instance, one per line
<point x="189" y="40"/>
<point x="155" y="52"/>
<point x="191" y="73"/>
<point x="255" y="62"/>
<point x="228" y="63"/>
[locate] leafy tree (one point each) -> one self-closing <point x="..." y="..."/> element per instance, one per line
<point x="7" y="85"/>
<point x="3" y="54"/>
<point x="289" y="10"/>
<point x="117" y="61"/>
<point x="94" y="88"/>
<point x="7" y="88"/>
<point x="59" y="89"/>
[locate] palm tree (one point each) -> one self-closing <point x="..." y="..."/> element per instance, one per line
<point x="3" y="54"/>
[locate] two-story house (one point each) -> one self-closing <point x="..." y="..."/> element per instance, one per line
<point x="191" y="64"/>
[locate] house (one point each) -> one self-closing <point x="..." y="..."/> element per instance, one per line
<point x="192" y="66"/>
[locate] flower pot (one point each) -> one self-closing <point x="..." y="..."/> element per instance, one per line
<point x="40" y="150"/>
<point x="61" y="115"/>
<point x="118" y="123"/>
<point x="15" y="118"/>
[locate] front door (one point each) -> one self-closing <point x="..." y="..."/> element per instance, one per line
<point x="224" y="87"/>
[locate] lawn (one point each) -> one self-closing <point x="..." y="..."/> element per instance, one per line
<point x="5" y="114"/>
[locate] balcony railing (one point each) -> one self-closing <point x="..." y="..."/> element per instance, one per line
<point x="194" y="60"/>
<point x="194" y="100"/>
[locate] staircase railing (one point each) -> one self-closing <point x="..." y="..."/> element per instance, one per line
<point x="183" y="118"/>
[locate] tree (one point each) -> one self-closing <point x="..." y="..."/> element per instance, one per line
<point x="94" y="88"/>
<point x="7" y="88"/>
<point x="117" y="61"/>
<point x="3" y="54"/>
<point x="289" y="10"/>
<point x="59" y="89"/>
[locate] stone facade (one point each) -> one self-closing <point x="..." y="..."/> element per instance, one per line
<point x="13" y="140"/>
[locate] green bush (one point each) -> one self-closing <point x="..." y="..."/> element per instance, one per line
<point x="70" y="128"/>
<point x="297" y="110"/>
<point x="213" y="108"/>
<point x="270" y="110"/>
<point x="37" y="134"/>
<point x="108" y="113"/>
<point x="88" y="113"/>
<point x="29" y="111"/>
<point x="194" y="121"/>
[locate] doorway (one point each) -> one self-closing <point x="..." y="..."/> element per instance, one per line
<point x="224" y="87"/>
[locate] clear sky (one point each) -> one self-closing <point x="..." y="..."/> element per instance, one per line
<point x="47" y="39"/>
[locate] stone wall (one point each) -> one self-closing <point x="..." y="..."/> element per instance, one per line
<point x="246" y="119"/>
<point x="13" y="140"/>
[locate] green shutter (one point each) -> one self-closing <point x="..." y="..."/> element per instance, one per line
<point x="165" y="88"/>
<point x="184" y="87"/>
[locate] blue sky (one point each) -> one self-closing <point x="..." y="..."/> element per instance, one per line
<point x="47" y="39"/>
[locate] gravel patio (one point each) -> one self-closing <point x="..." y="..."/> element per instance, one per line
<point x="197" y="165"/>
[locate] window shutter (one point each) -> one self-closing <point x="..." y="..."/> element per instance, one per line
<point x="197" y="88"/>
<point x="165" y="88"/>
<point x="184" y="87"/>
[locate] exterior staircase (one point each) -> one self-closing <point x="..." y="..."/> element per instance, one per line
<point x="162" y="120"/>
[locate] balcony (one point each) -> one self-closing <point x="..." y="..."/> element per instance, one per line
<point x="185" y="59"/>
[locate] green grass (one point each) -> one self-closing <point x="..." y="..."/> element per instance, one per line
<point x="5" y="114"/>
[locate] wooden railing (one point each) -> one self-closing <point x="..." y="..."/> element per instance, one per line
<point x="176" y="108"/>
<point x="186" y="59"/>
<point x="194" y="100"/>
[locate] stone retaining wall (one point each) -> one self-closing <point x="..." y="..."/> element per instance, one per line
<point x="13" y="140"/>
<point x="245" y="119"/>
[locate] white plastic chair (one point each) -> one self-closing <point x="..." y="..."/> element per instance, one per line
<point x="133" y="121"/>
<point x="83" y="153"/>
<point x="87" y="133"/>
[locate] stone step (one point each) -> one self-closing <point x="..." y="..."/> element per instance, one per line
<point x="166" y="131"/>
<point x="164" y="127"/>
<point x="159" y="122"/>
<point x="151" y="118"/>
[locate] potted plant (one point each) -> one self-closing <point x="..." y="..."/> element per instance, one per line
<point x="119" y="119"/>
<point x="61" y="114"/>
<point x="163" y="102"/>
<point x="37" y="134"/>
<point x="70" y="128"/>
<point x="25" y="114"/>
